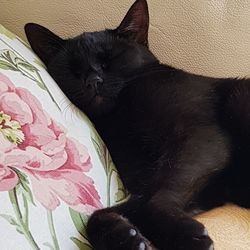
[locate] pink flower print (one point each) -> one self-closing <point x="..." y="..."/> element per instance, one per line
<point x="8" y="178"/>
<point x="33" y="143"/>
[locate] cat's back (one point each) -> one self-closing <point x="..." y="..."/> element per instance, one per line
<point x="171" y="93"/>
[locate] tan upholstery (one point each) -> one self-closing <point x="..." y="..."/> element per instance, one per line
<point x="210" y="37"/>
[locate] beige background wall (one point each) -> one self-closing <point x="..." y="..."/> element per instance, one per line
<point x="209" y="37"/>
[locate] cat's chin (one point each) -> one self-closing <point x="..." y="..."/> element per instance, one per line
<point x="98" y="100"/>
<point x="99" y="106"/>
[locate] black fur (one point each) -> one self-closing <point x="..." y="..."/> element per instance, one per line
<point x="180" y="141"/>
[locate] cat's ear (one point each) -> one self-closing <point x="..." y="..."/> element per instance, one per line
<point x="136" y="23"/>
<point x="45" y="43"/>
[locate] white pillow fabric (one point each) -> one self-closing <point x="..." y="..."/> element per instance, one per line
<point x="54" y="168"/>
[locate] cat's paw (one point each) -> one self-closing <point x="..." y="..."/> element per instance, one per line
<point x="192" y="235"/>
<point x="110" y="231"/>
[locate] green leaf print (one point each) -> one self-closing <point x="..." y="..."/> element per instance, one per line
<point x="81" y="245"/>
<point x="12" y="36"/>
<point x="10" y="219"/>
<point x="7" y="66"/>
<point x="23" y="188"/>
<point x="12" y="222"/>
<point x="39" y="62"/>
<point x="21" y="221"/>
<point x="12" y="60"/>
<point x="25" y="65"/>
<point x="20" y="64"/>
<point x="109" y="167"/>
<point x="21" y="209"/>
<point x="80" y="222"/>
<point x="52" y="230"/>
<point x="49" y="245"/>
<point x="121" y="194"/>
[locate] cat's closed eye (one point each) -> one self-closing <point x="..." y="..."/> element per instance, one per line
<point x="77" y="73"/>
<point x="77" y="68"/>
<point x="108" y="57"/>
<point x="104" y="65"/>
<point x="104" y="59"/>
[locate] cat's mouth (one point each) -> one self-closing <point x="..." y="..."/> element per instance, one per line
<point x="99" y="105"/>
<point x="96" y="100"/>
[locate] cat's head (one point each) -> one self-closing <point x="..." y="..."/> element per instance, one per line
<point x="93" y="68"/>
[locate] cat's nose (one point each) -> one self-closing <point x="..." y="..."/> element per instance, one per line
<point x="94" y="82"/>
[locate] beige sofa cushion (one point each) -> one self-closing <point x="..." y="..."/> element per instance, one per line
<point x="210" y="37"/>
<point x="229" y="227"/>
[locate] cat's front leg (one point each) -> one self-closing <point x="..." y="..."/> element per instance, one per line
<point x="167" y="224"/>
<point x="161" y="217"/>
<point x="110" y="229"/>
<point x="114" y="229"/>
<point x="170" y="228"/>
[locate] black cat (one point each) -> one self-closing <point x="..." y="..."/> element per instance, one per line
<point x="181" y="142"/>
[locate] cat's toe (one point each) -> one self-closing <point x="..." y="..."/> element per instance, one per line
<point x="196" y="238"/>
<point x="205" y="232"/>
<point x="200" y="243"/>
<point x="211" y="247"/>
<point x="138" y="243"/>
<point x="188" y="234"/>
<point x="142" y="246"/>
<point x="124" y="238"/>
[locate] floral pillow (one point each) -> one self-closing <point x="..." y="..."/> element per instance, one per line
<point x="54" y="169"/>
